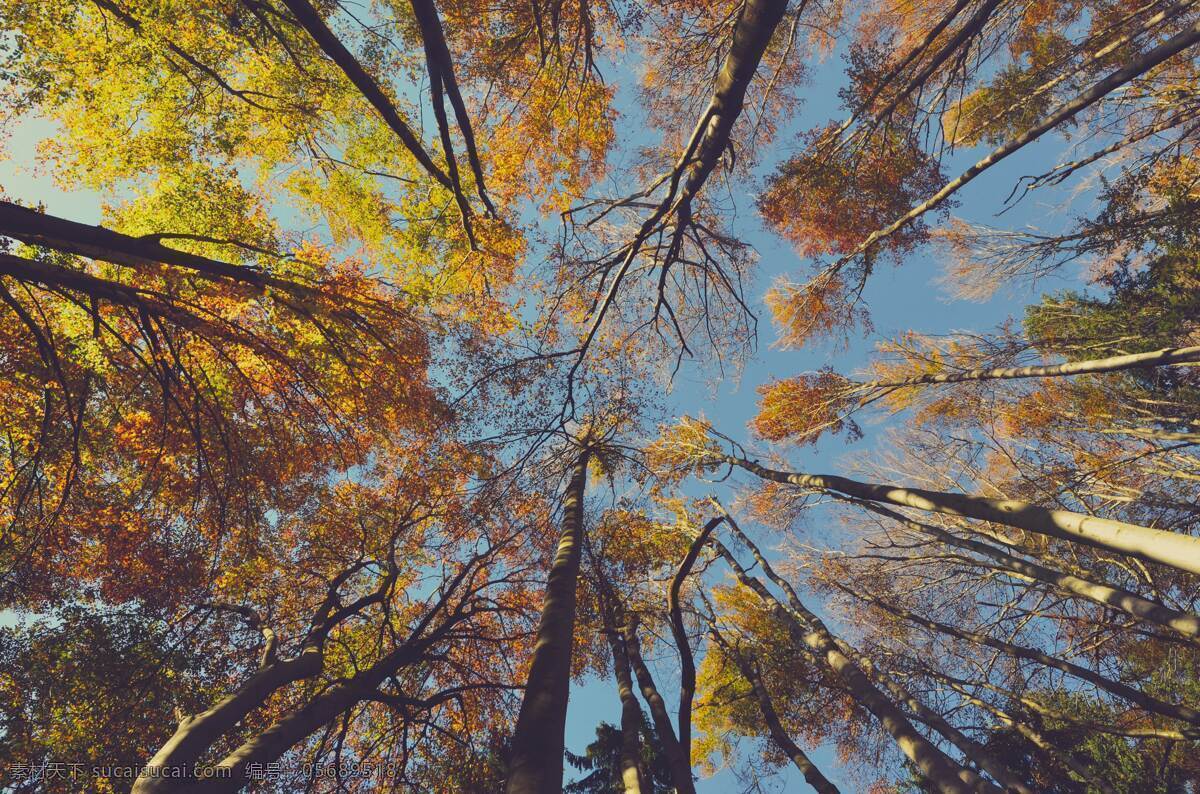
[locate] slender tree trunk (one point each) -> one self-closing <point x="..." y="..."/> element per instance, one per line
<point x="441" y="63"/>
<point x="779" y="735"/>
<point x="1155" y="435"/>
<point x="1060" y="115"/>
<point x="967" y="31"/>
<point x="1152" y="545"/>
<point x="231" y="774"/>
<point x="970" y="748"/>
<point x="1165" y="357"/>
<point x="310" y="19"/>
<point x="1151" y="704"/>
<point x="681" y="768"/>
<point x="1186" y="734"/>
<point x="687" y="664"/>
<point x="1095" y="58"/>
<point x="1184" y="623"/>
<point x="632" y="775"/>
<point x="710" y="139"/>
<point x="937" y="767"/>
<point x="536" y="765"/>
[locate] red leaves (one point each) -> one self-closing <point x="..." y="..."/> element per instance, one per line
<point x="825" y="199"/>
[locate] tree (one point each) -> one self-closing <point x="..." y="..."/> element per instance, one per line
<point x="332" y="357"/>
<point x="601" y="761"/>
<point x="542" y="720"/>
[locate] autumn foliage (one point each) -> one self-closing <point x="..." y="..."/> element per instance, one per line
<point x="366" y="375"/>
<point x="822" y="199"/>
<point x="801" y="408"/>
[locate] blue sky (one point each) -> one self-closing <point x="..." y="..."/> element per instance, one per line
<point x="900" y="298"/>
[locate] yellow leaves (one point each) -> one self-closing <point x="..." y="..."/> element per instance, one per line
<point x="240" y="582"/>
<point x="993" y="113"/>
<point x="640" y="544"/>
<point x="682" y="449"/>
<point x="725" y="704"/>
<point x="820" y="309"/>
<point x="1176" y="179"/>
<point x="960" y="122"/>
<point x="209" y="209"/>
<point x="556" y="144"/>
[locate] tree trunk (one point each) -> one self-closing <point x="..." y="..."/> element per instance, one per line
<point x="310" y="19"/>
<point x="631" y="712"/>
<point x="969" y="748"/>
<point x="1131" y="604"/>
<point x="97" y="242"/>
<point x="1042" y="743"/>
<point x="1152" y="545"/>
<point x="687" y="664"/>
<point x="681" y="768"/>
<point x="752" y="33"/>
<point x="779" y="735"/>
<point x="198" y="733"/>
<point x="536" y="763"/>
<point x="1165" y="357"/>
<point x="441" y="67"/>
<point x="231" y="774"/>
<point x="934" y="765"/>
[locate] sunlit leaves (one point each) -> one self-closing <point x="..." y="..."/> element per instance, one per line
<point x="801" y="408"/>
<point x="682" y="448"/>
<point x="822" y="310"/>
<point x="824" y="198"/>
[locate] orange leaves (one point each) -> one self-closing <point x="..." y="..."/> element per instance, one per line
<point x="821" y="309"/>
<point x="800" y="409"/>
<point x="1177" y="179"/>
<point x="549" y="119"/>
<point x="200" y="417"/>
<point x="825" y="200"/>
<point x="556" y="146"/>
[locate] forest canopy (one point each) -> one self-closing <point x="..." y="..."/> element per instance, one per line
<point x="778" y="394"/>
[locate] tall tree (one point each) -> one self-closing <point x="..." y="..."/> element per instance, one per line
<point x="538" y="740"/>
